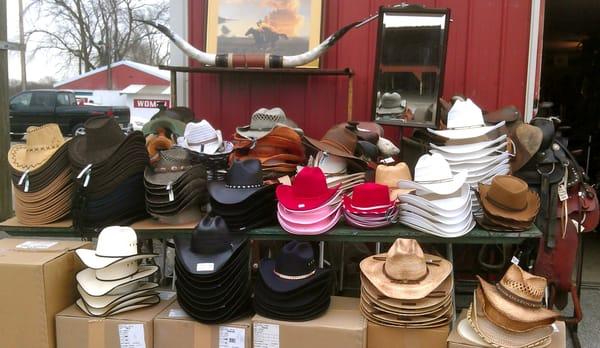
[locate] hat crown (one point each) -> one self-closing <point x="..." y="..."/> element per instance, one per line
<point x="102" y="132"/>
<point x="465" y="114"/>
<point x="267" y="118"/>
<point x="211" y="235"/>
<point x="432" y="169"/>
<point x="244" y="174"/>
<point x="389" y="175"/>
<point x="391" y="100"/>
<point x="370" y="195"/>
<point x="45" y="137"/>
<point x="507" y="191"/>
<point x="342" y="139"/>
<point x="330" y="164"/>
<point x="296" y="259"/>
<point x="117" y="241"/>
<point x="176" y="159"/>
<point x="309" y="182"/>
<point x="200" y="132"/>
<point x="516" y="283"/>
<point x="405" y="261"/>
<point x="530" y="137"/>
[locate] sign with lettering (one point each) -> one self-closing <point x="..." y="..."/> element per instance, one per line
<point x="150" y="103"/>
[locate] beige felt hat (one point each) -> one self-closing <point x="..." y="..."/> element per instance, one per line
<point x="42" y="142"/>
<point x="405" y="272"/>
<point x="509" y="197"/>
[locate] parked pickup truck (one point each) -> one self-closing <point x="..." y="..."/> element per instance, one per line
<point x="38" y="107"/>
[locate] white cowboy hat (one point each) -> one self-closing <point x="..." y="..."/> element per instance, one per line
<point x="447" y="205"/>
<point x="142" y="288"/>
<point x="501" y="169"/>
<point x="94" y="287"/>
<point x="127" y="305"/>
<point x="469" y="148"/>
<point x="201" y="137"/>
<point x="478" y="169"/>
<point x="479" y="163"/>
<point x="440" y="230"/>
<point x="433" y="174"/>
<point x="115" y="244"/>
<point x="459" y="157"/>
<point x="465" y="120"/>
<point x="438" y="218"/>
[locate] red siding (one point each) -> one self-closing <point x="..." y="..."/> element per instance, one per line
<point x="486" y="60"/>
<point x="122" y="77"/>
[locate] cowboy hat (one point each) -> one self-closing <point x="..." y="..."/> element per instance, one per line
<point x="459" y="157"/>
<point x="263" y="121"/>
<point x="202" y="137"/>
<point x="390" y="103"/>
<point x="141" y="288"/>
<point x="433" y="174"/>
<point x="390" y="175"/>
<point x="41" y="144"/>
<point x="527" y="140"/>
<point x="368" y="198"/>
<point x="136" y="302"/>
<point x="315" y="228"/>
<point x="308" y="190"/>
<point x="243" y="180"/>
<point x="465" y="120"/>
<point x="446" y="205"/>
<point x="457" y="229"/>
<point x="470" y="147"/>
<point x="405" y="272"/>
<point x="338" y="141"/>
<point x="95" y="287"/>
<point x="509" y="197"/>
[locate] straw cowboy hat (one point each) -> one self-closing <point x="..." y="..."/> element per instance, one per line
<point x="263" y="121"/>
<point x="202" y="137"/>
<point x="405" y="272"/>
<point x="509" y="197"/>
<point x="390" y="175"/>
<point x="42" y="142"/>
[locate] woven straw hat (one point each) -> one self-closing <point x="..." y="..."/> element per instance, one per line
<point x="405" y="272"/>
<point x="42" y="143"/>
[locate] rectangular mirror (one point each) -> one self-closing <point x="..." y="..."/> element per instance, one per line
<point x="409" y="65"/>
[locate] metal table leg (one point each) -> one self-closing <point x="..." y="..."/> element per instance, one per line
<point x="342" y="268"/>
<point x="378" y="248"/>
<point x="163" y="277"/>
<point x="321" y="254"/>
<point x="450" y="256"/>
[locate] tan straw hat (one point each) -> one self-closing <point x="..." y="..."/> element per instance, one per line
<point x="509" y="197"/>
<point x="389" y="176"/>
<point x="405" y="272"/>
<point x="42" y="143"/>
<point x="499" y="337"/>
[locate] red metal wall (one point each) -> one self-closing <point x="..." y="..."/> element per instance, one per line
<point x="486" y="60"/>
<point x="122" y="77"/>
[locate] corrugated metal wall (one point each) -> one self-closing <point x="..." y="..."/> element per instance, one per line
<point x="486" y="60"/>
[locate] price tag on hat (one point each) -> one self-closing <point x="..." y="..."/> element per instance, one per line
<point x="515" y="260"/>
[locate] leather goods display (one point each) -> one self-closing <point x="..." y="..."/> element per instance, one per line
<point x="511" y="313"/>
<point x="243" y="199"/>
<point x="369" y="206"/>
<point x="114" y="282"/>
<point x="308" y="206"/>
<point x="406" y="287"/>
<point x="508" y="204"/>
<point x="175" y="187"/>
<point x="41" y="176"/>
<point x="441" y="204"/>
<point x="108" y="167"/>
<point x="213" y="272"/>
<point x="291" y="286"/>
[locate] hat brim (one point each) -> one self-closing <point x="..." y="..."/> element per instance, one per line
<point x="348" y="204"/>
<point x="304" y="296"/>
<point x="307" y="313"/>
<point x="175" y="126"/>
<point x="91" y="260"/>
<point x="286" y="196"/>
<point x="497" y="336"/>
<point x="227" y="195"/>
<point x="325" y="147"/>
<point x="266" y="270"/>
<point x="307" y="219"/>
<point x="310" y="229"/>
<point x="129" y="305"/>
<point x="441" y="188"/>
<point x="372" y="268"/>
<point x="388" y="111"/>
<point x="20" y="159"/>
<point x="526" y="215"/>
<point x="439" y="230"/>
<point x="468" y="148"/>
<point x="94" y="287"/>
<point x="221" y="315"/>
<point x="214" y="261"/>
<point x="80" y="156"/>
<point x="106" y="300"/>
<point x="466" y="133"/>
<point x="450" y="219"/>
<point x="460" y="157"/>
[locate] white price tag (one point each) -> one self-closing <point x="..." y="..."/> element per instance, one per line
<point x="131" y="336"/>
<point x="36" y="244"/>
<point x="554" y="327"/>
<point x="232" y="337"/>
<point x="266" y="335"/>
<point x="205" y="267"/>
<point x="387" y="160"/>
<point x="515" y="260"/>
<point x="177" y="313"/>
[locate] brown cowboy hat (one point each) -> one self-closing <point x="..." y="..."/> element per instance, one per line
<point x="405" y="272"/>
<point x="338" y="141"/>
<point x="526" y="140"/>
<point x="510" y="198"/>
<point x="42" y="142"/>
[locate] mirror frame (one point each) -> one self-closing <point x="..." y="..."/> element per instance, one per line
<point x="411" y="9"/>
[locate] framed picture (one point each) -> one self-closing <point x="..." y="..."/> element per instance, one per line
<point x="282" y="27"/>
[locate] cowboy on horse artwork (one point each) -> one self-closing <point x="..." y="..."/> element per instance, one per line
<point x="265" y="38"/>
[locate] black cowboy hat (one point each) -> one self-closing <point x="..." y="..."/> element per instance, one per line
<point x="209" y="247"/>
<point x="243" y="180"/>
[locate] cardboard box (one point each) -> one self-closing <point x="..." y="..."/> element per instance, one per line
<point x="379" y="336"/>
<point x="174" y="328"/>
<point x="342" y="326"/>
<point x="74" y="329"/>
<point x="37" y="281"/>
<point x="455" y="340"/>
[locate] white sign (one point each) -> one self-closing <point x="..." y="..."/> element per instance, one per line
<point x="150" y="103"/>
<point x="266" y="335"/>
<point x="36" y="244"/>
<point x="132" y="336"/>
<point x="232" y="337"/>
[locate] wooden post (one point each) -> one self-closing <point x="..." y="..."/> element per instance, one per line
<point x="350" y="96"/>
<point x="5" y="188"/>
<point x="173" y="88"/>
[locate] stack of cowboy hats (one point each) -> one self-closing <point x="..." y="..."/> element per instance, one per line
<point x="335" y="170"/>
<point x="406" y="287"/>
<point x="508" y="204"/>
<point x="441" y="203"/>
<point x="243" y="199"/>
<point x="511" y="313"/>
<point x="41" y="176"/>
<point x="292" y="287"/>
<point x="208" y="145"/>
<point x="108" y="167"/>
<point x="308" y="206"/>
<point x="473" y="146"/>
<point x="273" y="139"/>
<point x="390" y="175"/>
<point x="369" y="206"/>
<point x="340" y="141"/>
<point x="114" y="283"/>
<point x="175" y="187"/>
<point x="213" y="272"/>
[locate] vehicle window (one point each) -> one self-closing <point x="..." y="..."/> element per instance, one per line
<point x="42" y="99"/>
<point x="62" y="99"/>
<point x="72" y="100"/>
<point x="21" y="100"/>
